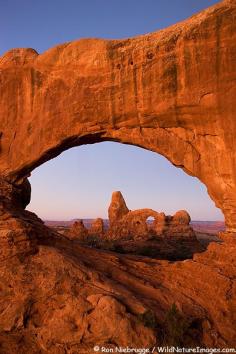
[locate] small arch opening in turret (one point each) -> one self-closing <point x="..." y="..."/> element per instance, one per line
<point x="150" y="222"/>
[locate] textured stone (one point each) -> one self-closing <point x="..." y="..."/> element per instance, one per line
<point x="176" y="226"/>
<point x="172" y="92"/>
<point x="97" y="227"/>
<point x="125" y="224"/>
<point x="181" y="217"/>
<point x="117" y="208"/>
<point x="78" y="231"/>
<point x="67" y="297"/>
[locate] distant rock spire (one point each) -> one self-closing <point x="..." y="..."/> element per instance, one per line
<point x="118" y="208"/>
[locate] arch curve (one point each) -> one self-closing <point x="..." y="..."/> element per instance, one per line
<point x="176" y="99"/>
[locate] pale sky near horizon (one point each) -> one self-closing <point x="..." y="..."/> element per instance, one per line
<point x="79" y="183"/>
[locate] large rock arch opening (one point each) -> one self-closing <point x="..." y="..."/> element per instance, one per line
<point x="171" y="92"/>
<point x="95" y="171"/>
<point x="79" y="184"/>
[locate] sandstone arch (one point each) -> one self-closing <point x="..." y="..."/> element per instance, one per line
<point x="125" y="224"/>
<point x="171" y="92"/>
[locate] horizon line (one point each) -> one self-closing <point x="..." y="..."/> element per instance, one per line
<point x="73" y="219"/>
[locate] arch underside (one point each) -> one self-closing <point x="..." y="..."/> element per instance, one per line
<point x="164" y="142"/>
<point x="171" y="92"/>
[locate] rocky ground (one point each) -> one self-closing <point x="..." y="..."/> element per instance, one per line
<point x="159" y="248"/>
<point x="67" y="297"/>
<point x="59" y="295"/>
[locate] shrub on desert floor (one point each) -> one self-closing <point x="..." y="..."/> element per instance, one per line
<point x="177" y="330"/>
<point x="148" y="318"/>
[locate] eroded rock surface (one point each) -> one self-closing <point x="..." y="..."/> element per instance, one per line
<point x="97" y="228"/>
<point x="117" y="208"/>
<point x="78" y="231"/>
<point x="133" y="224"/>
<point x="66" y="298"/>
<point x="175" y="226"/>
<point x="171" y="91"/>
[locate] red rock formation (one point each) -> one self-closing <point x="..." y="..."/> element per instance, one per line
<point x="78" y="231"/>
<point x="68" y="298"/>
<point x="117" y="208"/>
<point x="125" y="224"/>
<point x="171" y="92"/>
<point x="176" y="226"/>
<point x="97" y="227"/>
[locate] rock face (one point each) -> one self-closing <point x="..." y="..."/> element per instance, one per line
<point x="78" y="231"/>
<point x="67" y="298"/>
<point x="172" y="92"/>
<point x="126" y="224"/>
<point x="97" y="227"/>
<point x="177" y="225"/>
<point x="117" y="209"/>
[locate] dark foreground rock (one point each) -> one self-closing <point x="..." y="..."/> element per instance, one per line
<point x="66" y="298"/>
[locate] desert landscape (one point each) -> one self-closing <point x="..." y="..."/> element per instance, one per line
<point x="132" y="232"/>
<point x="127" y="283"/>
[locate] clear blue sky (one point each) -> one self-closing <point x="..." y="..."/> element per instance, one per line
<point x="79" y="182"/>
